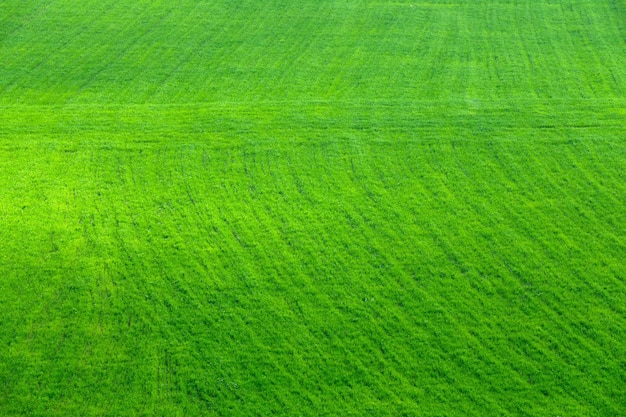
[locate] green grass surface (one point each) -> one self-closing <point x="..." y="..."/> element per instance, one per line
<point x="316" y="208"/>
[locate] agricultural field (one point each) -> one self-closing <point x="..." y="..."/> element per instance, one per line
<point x="313" y="208"/>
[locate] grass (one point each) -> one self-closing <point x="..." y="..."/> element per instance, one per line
<point x="312" y="208"/>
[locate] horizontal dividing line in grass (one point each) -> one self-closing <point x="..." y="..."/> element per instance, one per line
<point x="272" y="120"/>
<point x="520" y="102"/>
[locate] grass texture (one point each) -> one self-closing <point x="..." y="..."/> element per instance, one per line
<point x="312" y="208"/>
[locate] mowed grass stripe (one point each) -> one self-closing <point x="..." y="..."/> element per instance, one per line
<point x="556" y="119"/>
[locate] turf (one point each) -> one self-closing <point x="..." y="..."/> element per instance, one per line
<point x="316" y="208"/>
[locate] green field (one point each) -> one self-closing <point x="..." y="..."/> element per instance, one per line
<point x="313" y="208"/>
